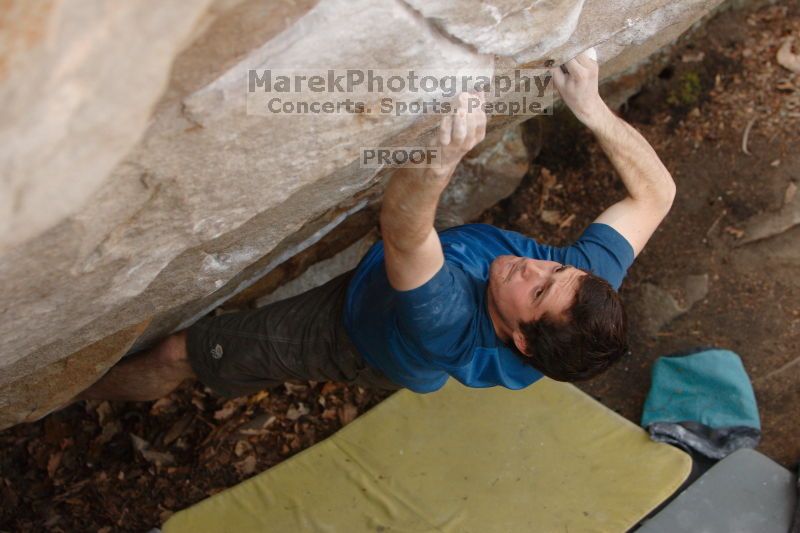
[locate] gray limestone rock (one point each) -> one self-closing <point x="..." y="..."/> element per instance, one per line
<point x="136" y="189"/>
<point x="78" y="82"/>
<point x="485" y="176"/>
<point x="651" y="308"/>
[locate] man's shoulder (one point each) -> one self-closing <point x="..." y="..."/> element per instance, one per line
<point x="602" y="250"/>
<point x="477" y="230"/>
<point x="472" y="227"/>
<point x="498" y="241"/>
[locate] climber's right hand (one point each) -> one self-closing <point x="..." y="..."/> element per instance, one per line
<point x="461" y="131"/>
<point x="578" y="88"/>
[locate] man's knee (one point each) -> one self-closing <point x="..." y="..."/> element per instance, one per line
<point x="171" y="351"/>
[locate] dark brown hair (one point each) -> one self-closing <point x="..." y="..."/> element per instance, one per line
<point x="594" y="336"/>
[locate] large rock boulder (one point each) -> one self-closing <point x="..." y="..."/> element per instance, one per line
<point x="138" y="194"/>
<point x="78" y="82"/>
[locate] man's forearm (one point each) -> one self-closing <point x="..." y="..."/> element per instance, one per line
<point x="640" y="168"/>
<point x="409" y="206"/>
<point x="413" y="253"/>
<point x="650" y="186"/>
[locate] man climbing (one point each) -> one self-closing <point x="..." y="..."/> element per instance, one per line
<point x="483" y="305"/>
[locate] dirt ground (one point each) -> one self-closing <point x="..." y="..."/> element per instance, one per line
<point x="127" y="466"/>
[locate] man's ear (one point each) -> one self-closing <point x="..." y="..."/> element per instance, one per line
<point x="520" y="342"/>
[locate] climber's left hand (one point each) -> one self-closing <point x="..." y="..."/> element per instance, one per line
<point x="578" y="88"/>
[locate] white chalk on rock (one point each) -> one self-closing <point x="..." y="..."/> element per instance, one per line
<point x="592" y="53"/>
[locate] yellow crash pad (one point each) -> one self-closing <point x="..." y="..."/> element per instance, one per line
<point x="546" y="459"/>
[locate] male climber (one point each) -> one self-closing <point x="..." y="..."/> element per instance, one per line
<point x="475" y="302"/>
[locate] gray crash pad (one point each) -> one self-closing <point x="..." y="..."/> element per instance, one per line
<point x="744" y="493"/>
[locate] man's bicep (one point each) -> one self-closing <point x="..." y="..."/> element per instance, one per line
<point x="411" y="268"/>
<point x="634" y="220"/>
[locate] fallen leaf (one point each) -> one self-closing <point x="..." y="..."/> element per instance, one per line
<point x="294" y="413"/>
<point x="736" y="232"/>
<point x="567" y="222"/>
<point x="198" y="403"/>
<point x="259" y="421"/>
<point x="109" y="431"/>
<point x="347" y="413"/>
<point x="548" y="181"/>
<point x="104" y="412"/>
<point x="178" y="428"/>
<point x="258" y="425"/>
<point x="550" y="216"/>
<point x="139" y="443"/>
<point x="227" y="410"/>
<point x="246" y="466"/>
<point x="259" y="396"/>
<point x="242" y="447"/>
<point x="693" y="57"/>
<point x="787" y="59"/>
<point x="548" y="178"/>
<point x="72" y="489"/>
<point x="291" y="388"/>
<point x="161" y="405"/>
<point x="158" y="458"/>
<point x="329" y="387"/>
<point x="53" y="463"/>
<point x="151" y="456"/>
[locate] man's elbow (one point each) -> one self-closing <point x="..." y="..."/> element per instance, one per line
<point x="661" y="196"/>
<point x="667" y="196"/>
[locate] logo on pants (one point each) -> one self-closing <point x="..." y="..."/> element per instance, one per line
<point x="216" y="352"/>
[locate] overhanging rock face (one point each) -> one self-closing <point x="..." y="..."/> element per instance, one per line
<point x="137" y="193"/>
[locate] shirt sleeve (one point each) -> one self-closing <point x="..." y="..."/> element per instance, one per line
<point x="603" y="251"/>
<point x="438" y="318"/>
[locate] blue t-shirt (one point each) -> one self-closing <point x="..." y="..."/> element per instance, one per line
<point x="419" y="338"/>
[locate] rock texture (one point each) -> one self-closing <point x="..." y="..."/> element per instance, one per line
<point x="485" y="176"/>
<point x="136" y="190"/>
<point x="651" y="308"/>
<point x="76" y="98"/>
